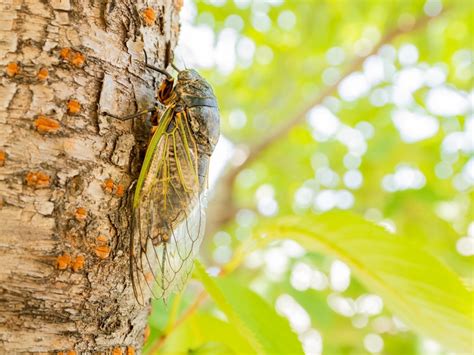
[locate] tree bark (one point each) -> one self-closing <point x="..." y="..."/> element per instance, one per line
<point x="65" y="168"/>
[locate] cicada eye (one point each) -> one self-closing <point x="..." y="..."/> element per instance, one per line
<point x="165" y="90"/>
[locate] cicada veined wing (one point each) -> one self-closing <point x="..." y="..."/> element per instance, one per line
<point x="169" y="209"/>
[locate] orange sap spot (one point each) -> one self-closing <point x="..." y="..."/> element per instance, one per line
<point x="45" y="124"/>
<point x="78" y="59"/>
<point x="63" y="261"/>
<point x="73" y="106"/>
<point x="108" y="185"/>
<point x="71" y="352"/>
<point x="65" y="53"/>
<point x="81" y="214"/>
<point x="120" y="190"/>
<point x="117" y="351"/>
<point x="149" y="277"/>
<point x="146" y="333"/>
<point x="12" y="69"/>
<point x="130" y="350"/>
<point x="102" y="240"/>
<point x="78" y="263"/>
<point x="149" y="16"/>
<point x="37" y="179"/>
<point x="102" y="251"/>
<point x="43" y="74"/>
<point x="2" y="158"/>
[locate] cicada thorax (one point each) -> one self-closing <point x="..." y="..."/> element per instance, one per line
<point x="198" y="98"/>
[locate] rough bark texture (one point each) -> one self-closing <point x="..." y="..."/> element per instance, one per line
<point x="65" y="169"/>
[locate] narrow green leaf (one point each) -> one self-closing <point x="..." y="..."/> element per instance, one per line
<point x="415" y="286"/>
<point x="218" y="296"/>
<point x="265" y="330"/>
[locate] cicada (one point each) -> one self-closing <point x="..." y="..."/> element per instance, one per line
<point x="169" y="202"/>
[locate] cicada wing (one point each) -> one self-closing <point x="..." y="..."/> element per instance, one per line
<point x="169" y="213"/>
<point x="183" y="247"/>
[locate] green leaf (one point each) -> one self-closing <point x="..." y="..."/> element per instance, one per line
<point x="415" y="286"/>
<point x="203" y="332"/>
<point x="211" y="348"/>
<point x="266" y="331"/>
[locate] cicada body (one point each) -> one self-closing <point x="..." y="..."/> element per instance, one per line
<point x="170" y="197"/>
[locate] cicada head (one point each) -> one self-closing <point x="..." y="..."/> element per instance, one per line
<point x="190" y="83"/>
<point x="165" y="92"/>
<point x="188" y="75"/>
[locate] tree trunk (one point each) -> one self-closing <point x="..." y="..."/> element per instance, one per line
<point x="65" y="168"/>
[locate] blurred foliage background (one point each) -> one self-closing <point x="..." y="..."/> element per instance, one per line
<point x="331" y="105"/>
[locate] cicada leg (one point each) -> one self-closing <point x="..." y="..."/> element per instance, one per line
<point x="154" y="120"/>
<point x="175" y="67"/>
<point x="149" y="66"/>
<point x="135" y="115"/>
<point x="161" y="71"/>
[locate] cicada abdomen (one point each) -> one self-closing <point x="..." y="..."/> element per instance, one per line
<point x="170" y="198"/>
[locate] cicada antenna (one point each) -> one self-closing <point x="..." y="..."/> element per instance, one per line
<point x="175" y="67"/>
<point x="184" y="63"/>
<point x="162" y="71"/>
